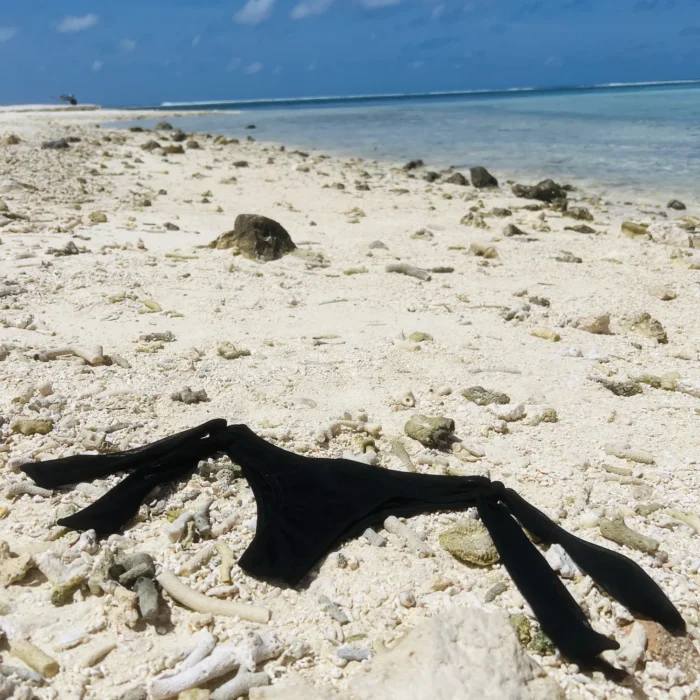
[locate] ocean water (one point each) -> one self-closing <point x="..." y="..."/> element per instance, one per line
<point x="638" y="140"/>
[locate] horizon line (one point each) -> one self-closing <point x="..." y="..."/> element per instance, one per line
<point x="443" y="93"/>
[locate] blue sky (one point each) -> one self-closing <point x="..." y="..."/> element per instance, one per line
<point x="129" y="52"/>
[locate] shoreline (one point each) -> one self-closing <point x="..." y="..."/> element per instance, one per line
<point x="654" y="194"/>
<point x="105" y="243"/>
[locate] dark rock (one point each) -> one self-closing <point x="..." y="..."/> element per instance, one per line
<point x="58" y="144"/>
<point x="431" y="176"/>
<point x="251" y="126"/>
<point x="545" y="191"/>
<point x="74" y="139"/>
<point x="179" y="136"/>
<point x="625" y="389"/>
<point x="511" y="230"/>
<point x="136" y="129"/>
<point x="362" y="186"/>
<point x="256" y="238"/>
<point x="431" y="432"/>
<point x="250" y="139"/>
<point x="457" y="179"/>
<point x="164" y="126"/>
<point x="560" y="205"/>
<point x="240" y="164"/>
<point x="676" y="204"/>
<point x="566" y="257"/>
<point x="68" y="249"/>
<point x="186" y="395"/>
<point x="171" y="227"/>
<point x="539" y="301"/>
<point x="484" y="397"/>
<point x="12" y="140"/>
<point x="568" y="188"/>
<point x="579" y="213"/>
<point x="413" y="164"/>
<point x="173" y="150"/>
<point x="580" y="228"/>
<point x="498" y="211"/>
<point x="150" y="145"/>
<point x="193" y="145"/>
<point x="482" y="177"/>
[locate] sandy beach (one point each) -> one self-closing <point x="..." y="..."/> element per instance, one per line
<point x="584" y="314"/>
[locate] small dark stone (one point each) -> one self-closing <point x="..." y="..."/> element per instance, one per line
<point x="566" y="257"/>
<point x="193" y="145"/>
<point x="457" y="179"/>
<point x="511" y="230"/>
<point x="58" y="144"/>
<point x="179" y="136"/>
<point x="188" y="396"/>
<point x="164" y="126"/>
<point x="362" y="186"/>
<point x="580" y="228"/>
<point x="484" y="397"/>
<point x="676" y="204"/>
<point x="136" y="129"/>
<point x="251" y="126"/>
<point x="173" y="150"/>
<point x="539" y="301"/>
<point x="74" y="139"/>
<point x="579" y="213"/>
<point x="171" y="227"/>
<point x="413" y="164"/>
<point x="150" y="145"/>
<point x="482" y="177"/>
<point x="625" y="389"/>
<point x="560" y="205"/>
<point x="240" y="164"/>
<point x="431" y="176"/>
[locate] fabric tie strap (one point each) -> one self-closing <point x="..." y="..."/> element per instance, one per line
<point x="306" y="506"/>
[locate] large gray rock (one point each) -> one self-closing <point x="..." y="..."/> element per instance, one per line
<point x="545" y="191"/>
<point x="466" y="654"/>
<point x="257" y="238"/>
<point x="482" y="177"/>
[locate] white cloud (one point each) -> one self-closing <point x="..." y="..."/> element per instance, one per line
<point x="78" y="24"/>
<point x="234" y="64"/>
<point x="97" y="66"/>
<point x="6" y="33"/>
<point x="254" y="68"/>
<point x="196" y="40"/>
<point x="254" y="11"/>
<point x="308" y="8"/>
<point x="127" y="44"/>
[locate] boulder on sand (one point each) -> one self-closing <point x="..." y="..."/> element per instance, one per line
<point x="256" y="238"/>
<point x="482" y="177"/>
<point x="545" y="191"/>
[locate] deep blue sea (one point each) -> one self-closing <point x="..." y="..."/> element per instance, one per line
<point x="641" y="140"/>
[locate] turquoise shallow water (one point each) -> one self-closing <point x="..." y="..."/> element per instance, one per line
<point x="641" y="141"/>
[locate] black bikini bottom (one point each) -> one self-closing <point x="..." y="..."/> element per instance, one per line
<point x="306" y="506"/>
